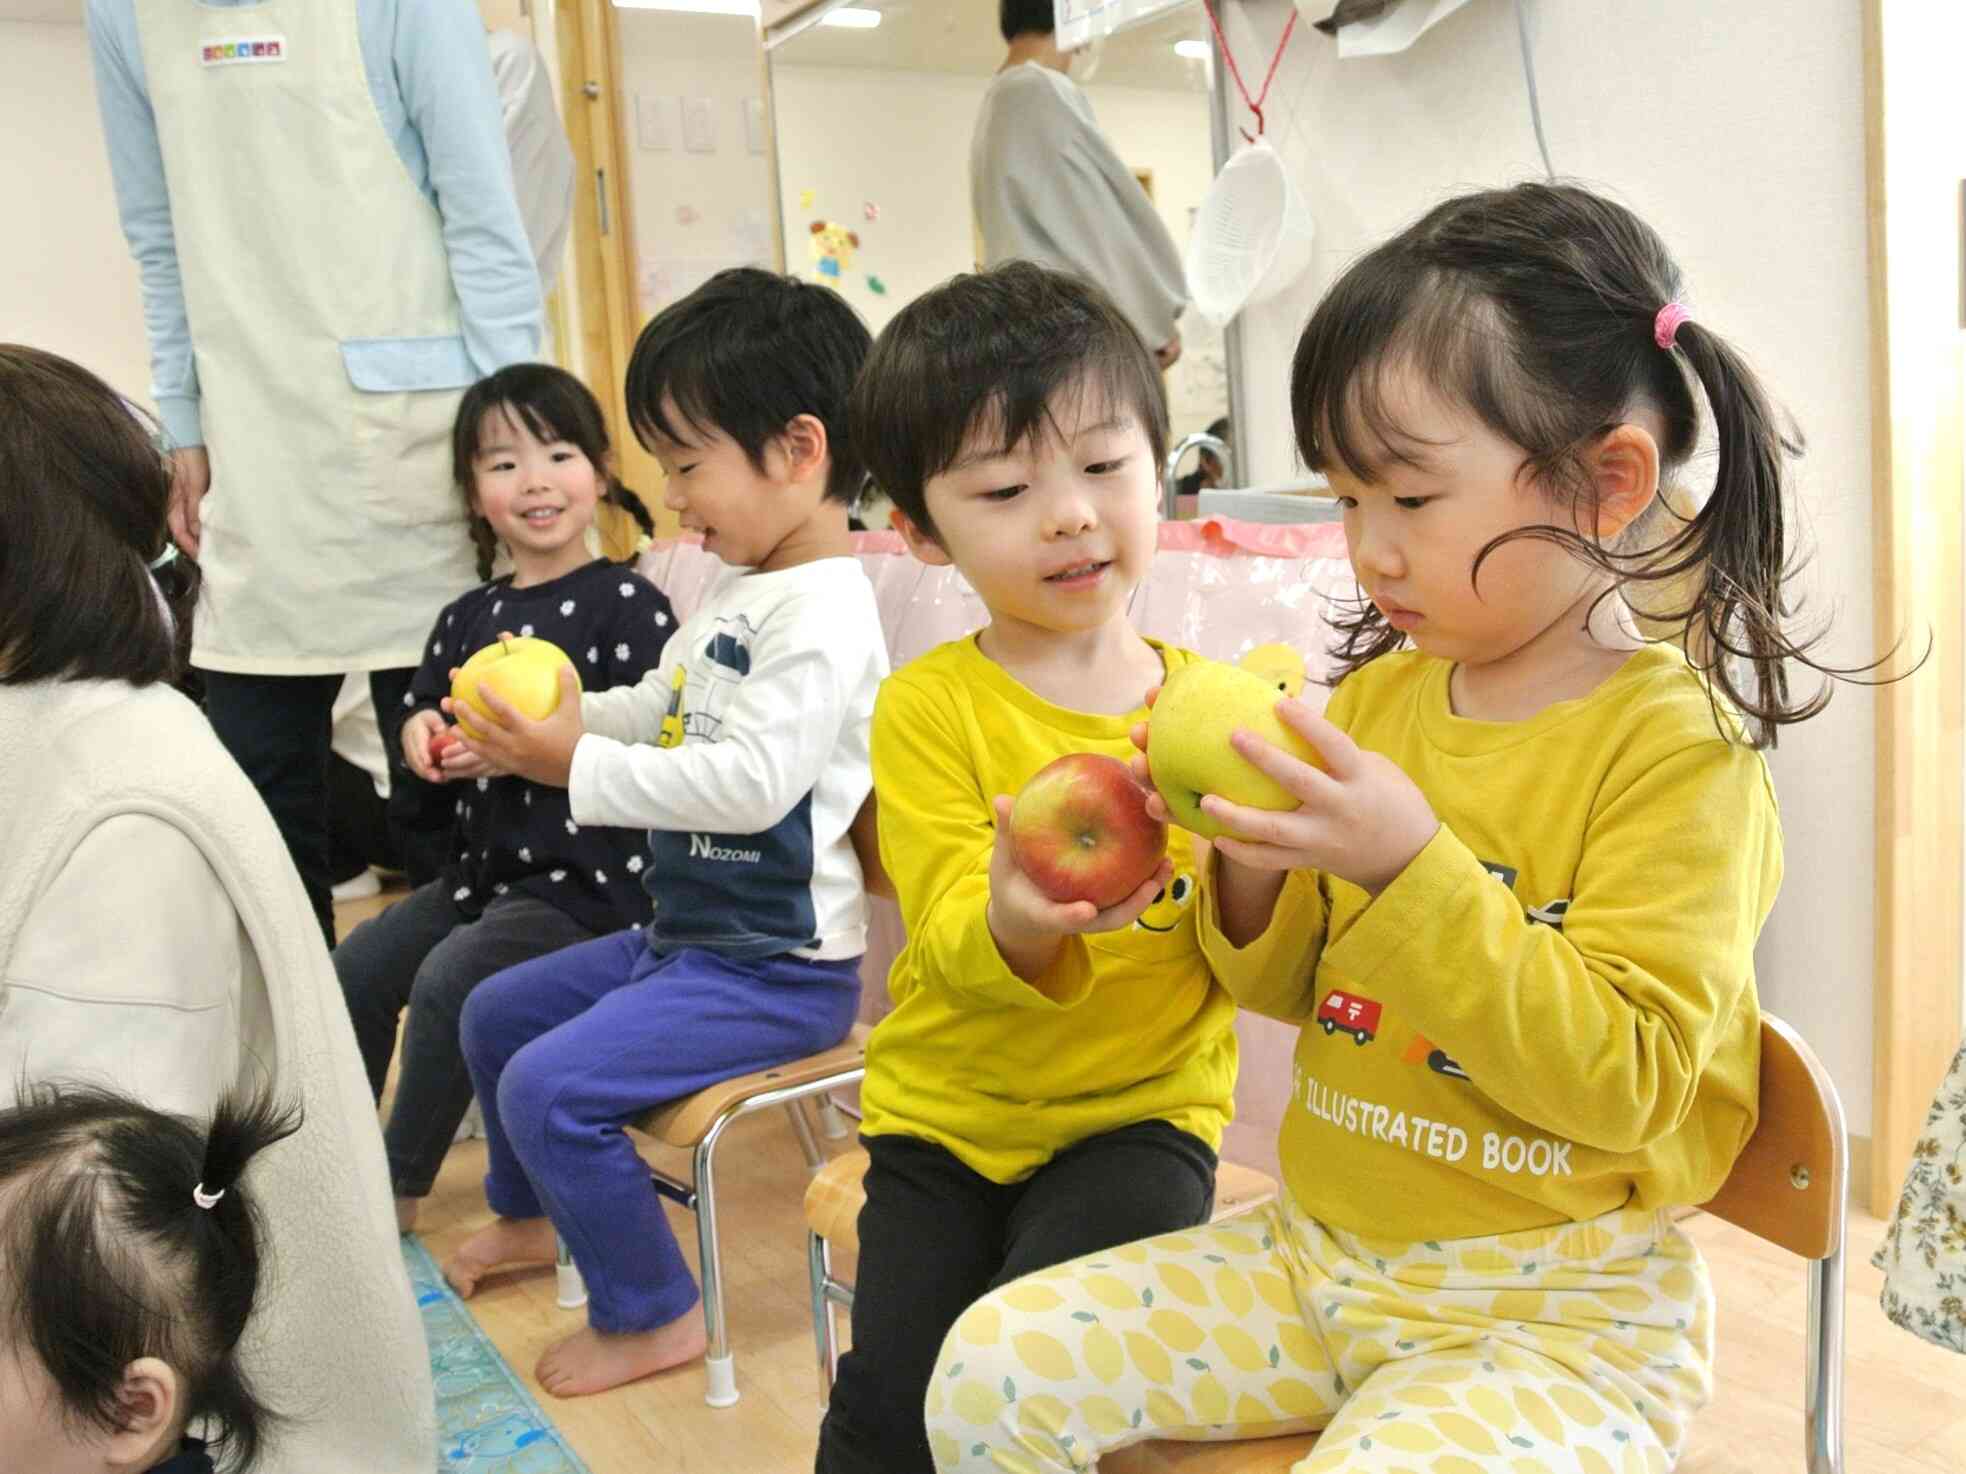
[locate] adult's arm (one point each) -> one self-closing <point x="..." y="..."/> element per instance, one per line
<point x="444" y="69"/>
<point x="143" y="204"/>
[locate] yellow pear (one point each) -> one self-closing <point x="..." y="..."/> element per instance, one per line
<point x="1188" y="742"/>
<point x="524" y="671"/>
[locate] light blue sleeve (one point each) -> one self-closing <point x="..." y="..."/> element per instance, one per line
<point x="136" y="165"/>
<point x="443" y="67"/>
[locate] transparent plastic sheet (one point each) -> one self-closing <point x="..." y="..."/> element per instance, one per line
<point x="1218" y="587"/>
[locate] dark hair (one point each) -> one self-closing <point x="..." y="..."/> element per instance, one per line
<point x="84" y="494"/>
<point x="994" y="349"/>
<point x="553" y="405"/>
<point x="1020" y="17"/>
<point x="1534" y="306"/>
<point x="107" y="1257"/>
<point x="744" y="355"/>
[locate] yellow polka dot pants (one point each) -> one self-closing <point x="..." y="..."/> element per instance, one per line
<point x="1583" y="1347"/>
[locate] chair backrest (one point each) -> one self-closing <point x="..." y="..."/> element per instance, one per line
<point x="1790" y="1182"/>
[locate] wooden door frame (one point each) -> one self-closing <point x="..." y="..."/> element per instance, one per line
<point x="603" y="247"/>
<point x="1916" y="530"/>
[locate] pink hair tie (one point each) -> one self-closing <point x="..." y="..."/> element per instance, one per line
<point x="1665" y="327"/>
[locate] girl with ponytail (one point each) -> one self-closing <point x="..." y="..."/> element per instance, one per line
<point x="130" y="1259"/>
<point x="519" y="878"/>
<point x="1514" y="911"/>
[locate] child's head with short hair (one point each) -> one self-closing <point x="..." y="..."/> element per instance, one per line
<point x="559" y="416"/>
<point x="1516" y="341"/>
<point x="1018" y="424"/>
<point x="95" y="588"/>
<point x="740" y="391"/>
<point x="130" y="1259"/>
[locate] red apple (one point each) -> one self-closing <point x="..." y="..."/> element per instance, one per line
<point x="442" y="741"/>
<point x="1081" y="831"/>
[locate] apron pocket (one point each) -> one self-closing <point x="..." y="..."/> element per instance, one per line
<point x="406" y="396"/>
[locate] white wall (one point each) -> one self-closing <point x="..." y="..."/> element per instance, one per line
<point x="695" y="213"/>
<point x="900" y="141"/>
<point x="1739" y="135"/>
<point x="67" y="283"/>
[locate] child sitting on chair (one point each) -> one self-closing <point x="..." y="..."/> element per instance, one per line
<point x="129" y="1264"/>
<point x="1054" y="1078"/>
<point x="745" y="757"/>
<point x="1529" y="868"/>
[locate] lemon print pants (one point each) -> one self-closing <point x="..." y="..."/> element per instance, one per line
<point x="1582" y="1347"/>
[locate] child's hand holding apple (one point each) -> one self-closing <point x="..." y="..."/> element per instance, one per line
<point x="1029" y="927"/>
<point x="421" y="732"/>
<point x="1276" y="786"/>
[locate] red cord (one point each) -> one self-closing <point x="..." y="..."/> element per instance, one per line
<point x="1255" y="104"/>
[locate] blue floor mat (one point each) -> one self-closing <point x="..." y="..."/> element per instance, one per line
<point x="487" y="1423"/>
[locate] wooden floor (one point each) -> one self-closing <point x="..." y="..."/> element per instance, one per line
<point x="1905" y="1401"/>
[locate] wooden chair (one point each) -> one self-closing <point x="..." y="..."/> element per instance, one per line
<point x="1789" y="1187"/>
<point x="696" y="1123"/>
<point x="833" y="1202"/>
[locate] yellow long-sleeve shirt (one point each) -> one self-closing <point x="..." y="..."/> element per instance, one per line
<point x="1125" y="1027"/>
<point x="1551" y="1012"/>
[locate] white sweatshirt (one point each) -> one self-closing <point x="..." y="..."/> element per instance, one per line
<point x="744" y="754"/>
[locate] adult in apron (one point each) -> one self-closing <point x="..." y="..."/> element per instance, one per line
<point x="338" y="285"/>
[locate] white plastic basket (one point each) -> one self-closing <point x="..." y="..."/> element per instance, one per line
<point x="1252" y="235"/>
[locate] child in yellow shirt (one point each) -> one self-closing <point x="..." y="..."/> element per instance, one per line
<point x="1054" y="1079"/>
<point x="1514" y="913"/>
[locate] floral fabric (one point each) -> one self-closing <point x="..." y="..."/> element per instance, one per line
<point x="1924" y="1254"/>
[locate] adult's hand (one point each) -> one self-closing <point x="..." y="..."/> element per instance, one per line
<point x="191" y="478"/>
<point x="1166" y="355"/>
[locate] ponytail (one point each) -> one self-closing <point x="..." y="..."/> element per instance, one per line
<point x="630" y="502"/>
<point x="1733" y="553"/>
<point x="130" y="1233"/>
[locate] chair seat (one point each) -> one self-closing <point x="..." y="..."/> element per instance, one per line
<point x="834" y="1196"/>
<point x="1247" y="1456"/>
<point x="684" y="1121"/>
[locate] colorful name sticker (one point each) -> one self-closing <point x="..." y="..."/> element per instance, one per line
<point x="245" y="52"/>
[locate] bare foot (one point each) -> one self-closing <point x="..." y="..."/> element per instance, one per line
<point x="406" y="1210"/>
<point x="591" y="1361"/>
<point x="503" y="1241"/>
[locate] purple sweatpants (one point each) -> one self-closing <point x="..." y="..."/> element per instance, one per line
<point x="564" y="1049"/>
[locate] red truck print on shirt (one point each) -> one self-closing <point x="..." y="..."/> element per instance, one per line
<point x="1356" y="1016"/>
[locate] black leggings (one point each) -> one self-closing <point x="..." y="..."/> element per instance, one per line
<point x="934" y="1236"/>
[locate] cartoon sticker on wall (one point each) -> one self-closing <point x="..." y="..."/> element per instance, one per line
<point x="832" y="247"/>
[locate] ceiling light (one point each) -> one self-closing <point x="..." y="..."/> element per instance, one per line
<point x="852" y="18"/>
<point x="1191" y="50"/>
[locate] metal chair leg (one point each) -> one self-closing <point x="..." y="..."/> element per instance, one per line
<point x="834" y="1123"/>
<point x="570" y="1288"/>
<point x="1822" y="1392"/>
<point x="802" y="1128"/>
<point x="819" y="1269"/>
<point x="720" y="1374"/>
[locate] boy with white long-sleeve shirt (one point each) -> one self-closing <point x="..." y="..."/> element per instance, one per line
<point x="745" y="757"/>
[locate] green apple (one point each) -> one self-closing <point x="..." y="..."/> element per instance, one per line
<point x="524" y="671"/>
<point x="1188" y="742"/>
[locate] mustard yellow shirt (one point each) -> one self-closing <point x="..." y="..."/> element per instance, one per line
<point x="1125" y="1027"/>
<point x="1551" y="1012"/>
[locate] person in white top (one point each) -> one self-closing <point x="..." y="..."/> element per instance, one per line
<point x="153" y="935"/>
<point x="744" y="754"/>
<point x="1046" y="186"/>
<point x="542" y="159"/>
